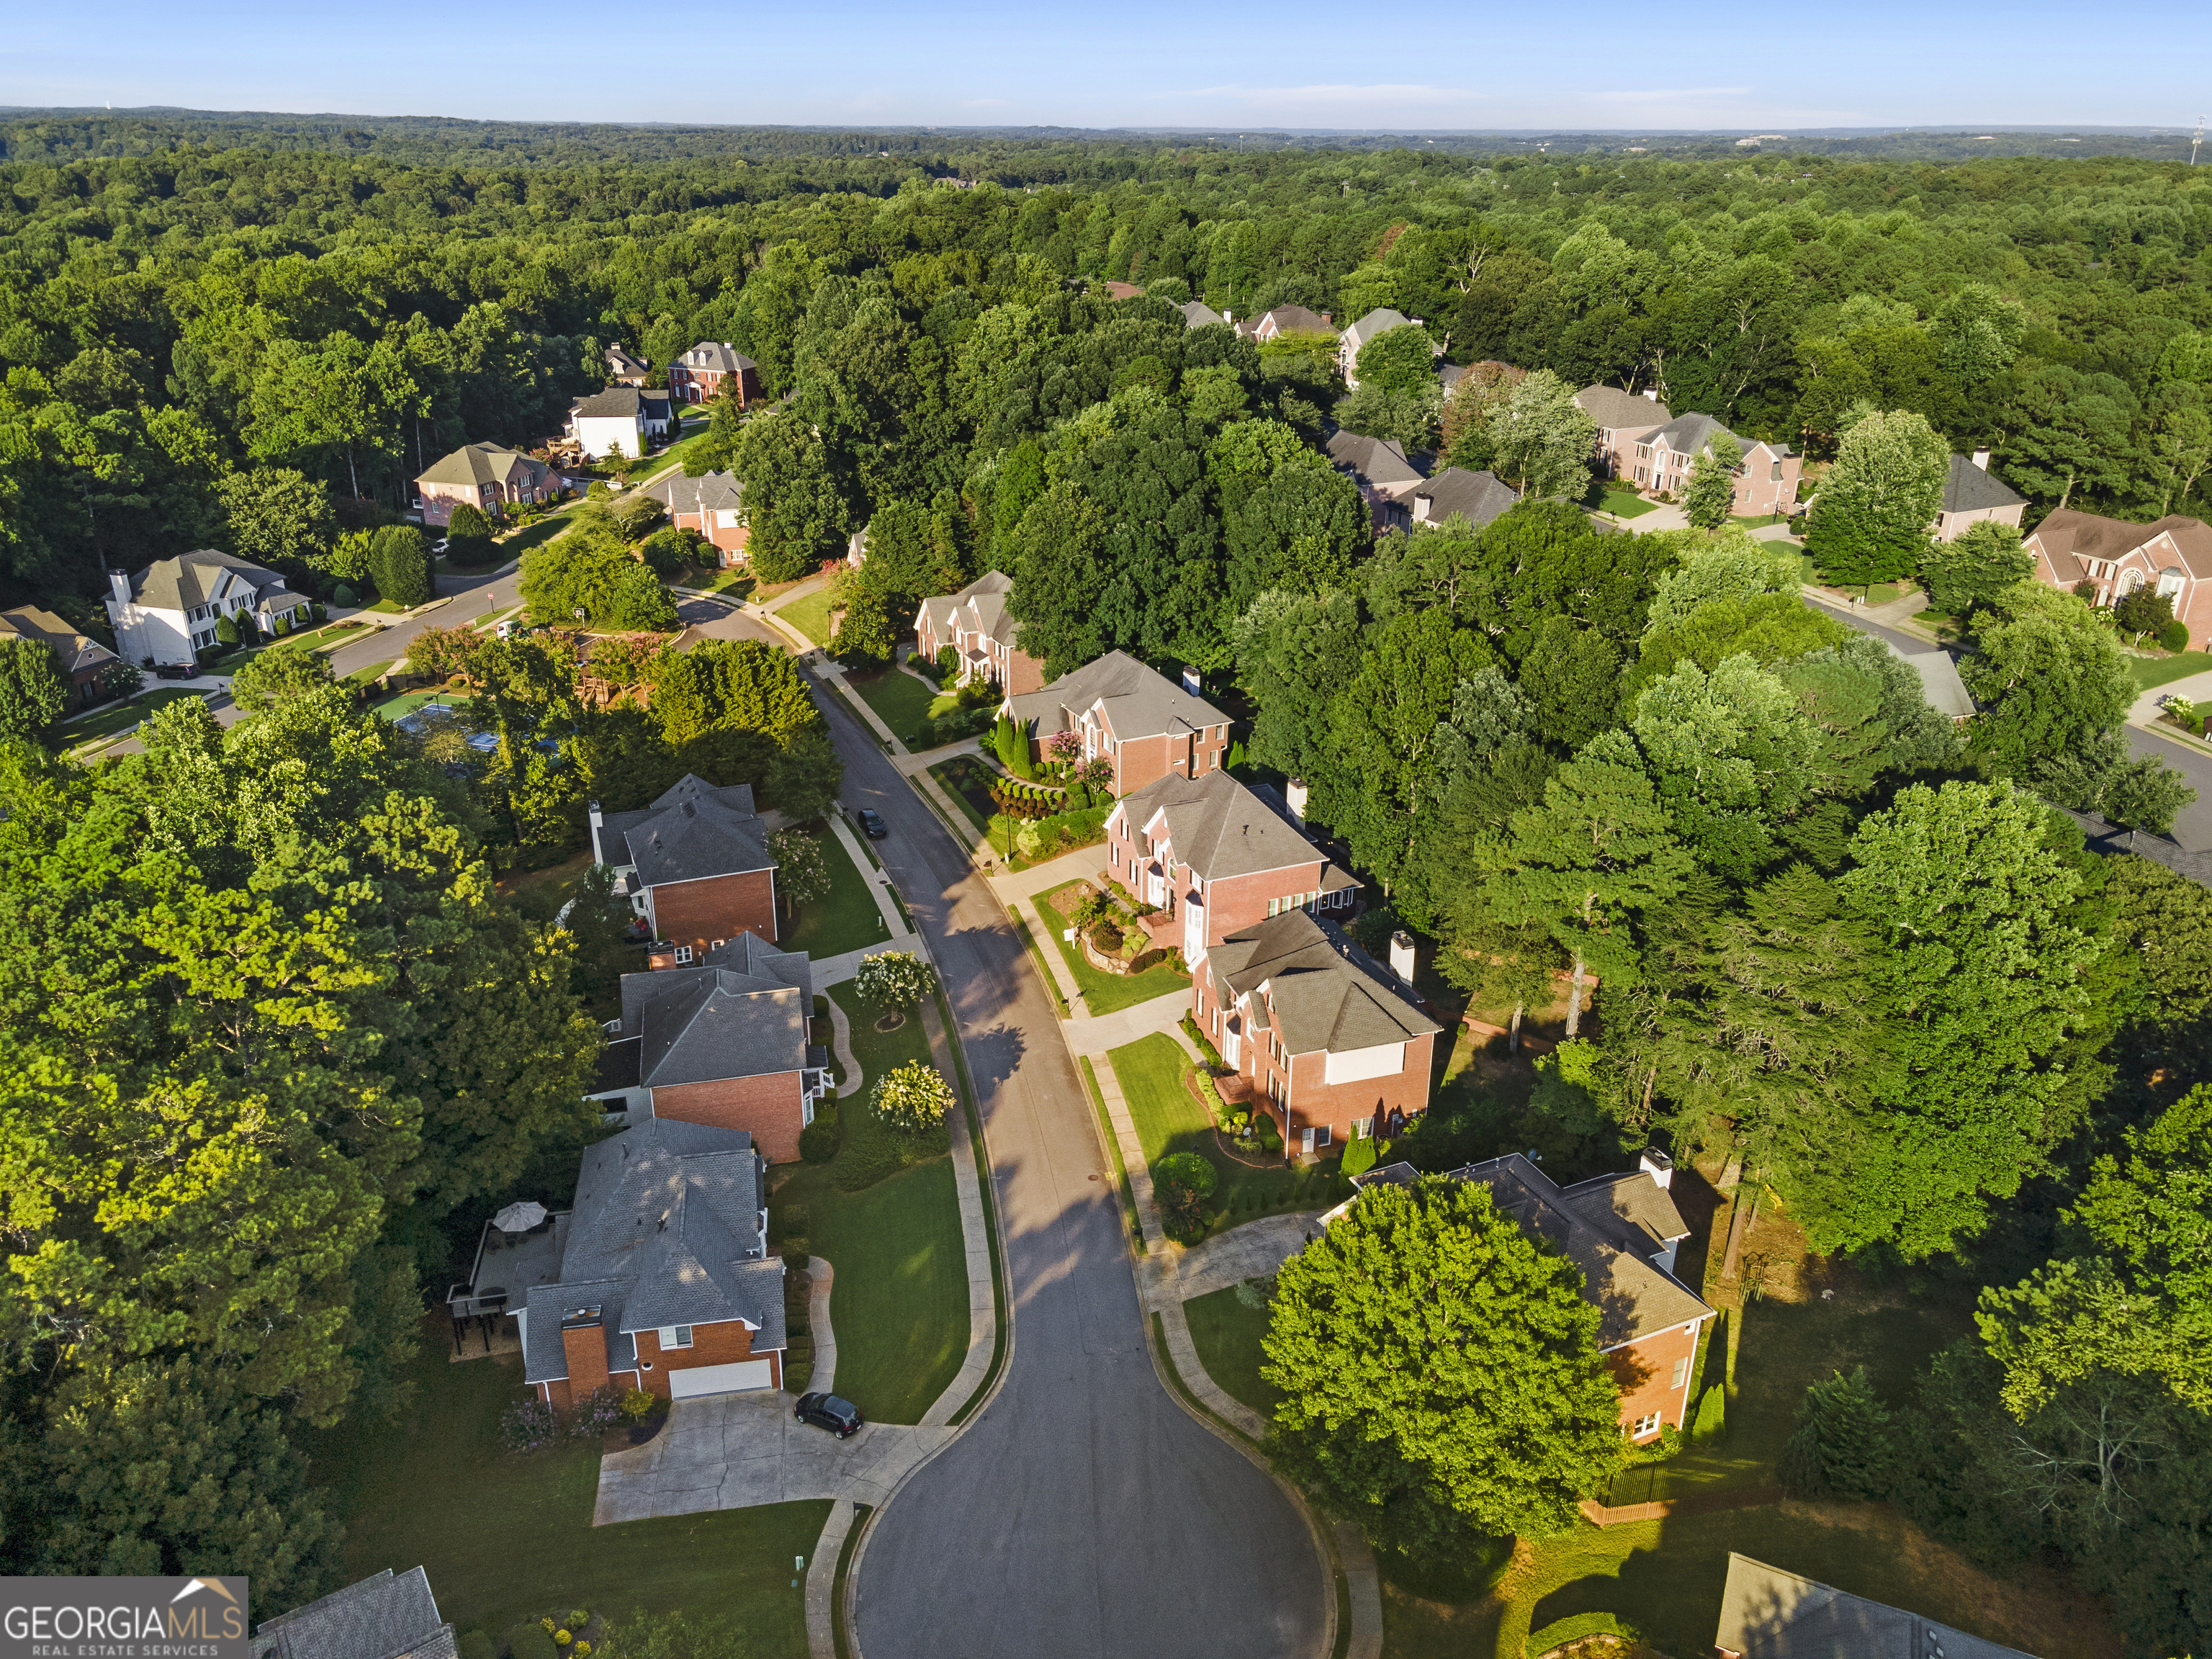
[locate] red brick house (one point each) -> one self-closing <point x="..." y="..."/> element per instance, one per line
<point x="1219" y="856"/>
<point x="1623" y="1231"/>
<point x="487" y="478"/>
<point x="81" y="659"/>
<point x="1386" y="477"/>
<point x="974" y="622"/>
<point x="2173" y="554"/>
<point x="1622" y="417"/>
<point x="666" y="1282"/>
<point x="695" y="865"/>
<point x="1142" y="722"/>
<point x="721" y="1043"/>
<point x="709" y="368"/>
<point x="1333" y="1047"/>
<point x="1660" y="456"/>
<point x="711" y="504"/>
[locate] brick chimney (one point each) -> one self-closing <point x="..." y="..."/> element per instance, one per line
<point x="584" y="1340"/>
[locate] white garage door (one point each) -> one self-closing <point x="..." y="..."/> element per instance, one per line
<point x="721" y="1379"/>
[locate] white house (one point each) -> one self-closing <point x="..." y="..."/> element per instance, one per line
<point x="618" y="421"/>
<point x="168" y="611"/>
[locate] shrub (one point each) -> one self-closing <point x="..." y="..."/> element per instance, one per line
<point x="226" y="630"/>
<point x="913" y="1098"/>
<point x="1192" y="1030"/>
<point x="817" y="1141"/>
<point x="1106" y="938"/>
<point x="1358" y="1156"/>
<point x="2174" y="637"/>
<point x="530" y="1642"/>
<point x="1560" y="1631"/>
<point x="636" y="1405"/>
<point x="528" y="1426"/>
<point x="476" y="1644"/>
<point x="796" y="1219"/>
<point x="467" y="520"/>
<point x="593" y="1415"/>
<point x="1147" y="959"/>
<point x="122" y="679"/>
<point x="1181" y="1182"/>
<point x="284" y="626"/>
<point x="1712" y="1414"/>
<point x="1841" y="1448"/>
<point x="343" y="595"/>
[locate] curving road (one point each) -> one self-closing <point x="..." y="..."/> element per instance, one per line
<point x="1083" y="1513"/>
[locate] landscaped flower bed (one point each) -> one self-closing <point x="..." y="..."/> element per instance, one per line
<point x="1109" y="931"/>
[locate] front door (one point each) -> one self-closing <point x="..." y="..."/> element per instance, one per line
<point x="1306" y="1142"/>
<point x="1194" y="930"/>
<point x="1231" y="1045"/>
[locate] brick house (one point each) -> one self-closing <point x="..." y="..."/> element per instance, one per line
<point x="387" y="1615"/>
<point x="487" y="478"/>
<point x="709" y="368"/>
<point x="1972" y="493"/>
<point x="1623" y="1232"/>
<point x="974" y="622"/>
<point x="622" y="369"/>
<point x="1386" y="476"/>
<point x="1332" y="1047"/>
<point x="722" y="1041"/>
<point x="81" y="659"/>
<point x="1621" y="418"/>
<point x="1379" y="321"/>
<point x="1142" y="722"/>
<point x="2173" y="554"/>
<point x="1285" y="320"/>
<point x="695" y="865"/>
<point x="1219" y="856"/>
<point x="712" y="504"/>
<point x="171" y="610"/>
<point x="1477" y="497"/>
<point x="1765" y="473"/>
<point x="665" y="1279"/>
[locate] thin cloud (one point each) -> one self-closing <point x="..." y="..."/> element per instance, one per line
<point x="1324" y="94"/>
<point x="1653" y="94"/>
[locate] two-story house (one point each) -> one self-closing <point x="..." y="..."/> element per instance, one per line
<point x="722" y="1042"/>
<point x="695" y="867"/>
<point x="1217" y="855"/>
<point x="624" y="420"/>
<point x="1332" y="1046"/>
<point x="82" y="659"/>
<point x="2173" y="554"/>
<point x="711" y="367"/>
<point x="666" y="1282"/>
<point x="1972" y="495"/>
<point x="1625" y="1232"/>
<point x="1138" y="719"/>
<point x="1622" y="417"/>
<point x="713" y="504"/>
<point x="1456" y="493"/>
<point x="622" y="369"/>
<point x="1354" y="339"/>
<point x="1765" y="473"/>
<point x="1285" y="319"/>
<point x="974" y="625"/>
<point x="385" y="1616"/>
<point x="169" y="612"/>
<point x="1386" y="476"/>
<point x="485" y="475"/>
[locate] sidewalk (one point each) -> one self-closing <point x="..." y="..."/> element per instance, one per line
<point x="982" y="1303"/>
<point x="2196" y="687"/>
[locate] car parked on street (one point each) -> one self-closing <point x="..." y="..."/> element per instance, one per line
<point x="871" y="823"/>
<point x="826" y="1411"/>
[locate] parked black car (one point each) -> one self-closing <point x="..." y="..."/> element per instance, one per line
<point x="826" y="1411"/>
<point x="872" y="823"/>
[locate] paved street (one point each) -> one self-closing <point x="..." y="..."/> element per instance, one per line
<point x="1082" y="1513"/>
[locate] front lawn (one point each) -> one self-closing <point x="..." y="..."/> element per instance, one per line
<point x="900" y="702"/>
<point x="406" y="702"/>
<point x="120" y="717"/>
<point x="1624" y="505"/>
<point x="2151" y="672"/>
<point x="809" y="615"/>
<point x="734" y="580"/>
<point x="846" y="920"/>
<point x="1105" y="993"/>
<point x="1227" y="1334"/>
<point x="507" y="1538"/>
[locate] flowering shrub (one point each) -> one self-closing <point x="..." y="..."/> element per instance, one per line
<point x="913" y="1097"/>
<point x="1064" y="745"/>
<point x="895" y="979"/>
<point x="595" y="1413"/>
<point x="528" y="1426"/>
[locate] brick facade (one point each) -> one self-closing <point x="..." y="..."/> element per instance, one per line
<point x="1228" y="904"/>
<point x="700" y="912"/>
<point x="1646" y="1371"/>
<point x="586" y="1348"/>
<point x="726" y="1344"/>
<point x="2172" y="556"/>
<point x="771" y="1108"/>
<point x="1139" y="761"/>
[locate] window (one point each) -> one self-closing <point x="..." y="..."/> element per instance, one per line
<point x="684" y="953"/>
<point x="1681" y="1374"/>
<point x="1274" y="906"/>
<point x="676" y="1336"/>
<point x="1322" y="1133"/>
<point x="1644" y="1427"/>
<point x="719" y="944"/>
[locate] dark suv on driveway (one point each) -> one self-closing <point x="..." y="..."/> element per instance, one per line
<point x="826" y="1411"/>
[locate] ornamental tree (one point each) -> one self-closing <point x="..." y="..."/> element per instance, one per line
<point x="913" y="1098"/>
<point x="895" y="979"/>
<point x="1441" y="1372"/>
<point x="802" y="868"/>
<point x="1711" y="490"/>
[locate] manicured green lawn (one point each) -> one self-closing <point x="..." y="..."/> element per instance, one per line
<point x="1623" y="505"/>
<point x="1227" y="1335"/>
<point x="119" y="717"/>
<point x="735" y="580"/>
<point x="406" y="702"/>
<point x="809" y="615"/>
<point x="2151" y="672"/>
<point x="847" y="919"/>
<point x="961" y="777"/>
<point x="902" y="702"/>
<point x="507" y="1538"/>
<point x="516" y="542"/>
<point x="1102" y="993"/>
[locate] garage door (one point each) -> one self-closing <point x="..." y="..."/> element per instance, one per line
<point x="721" y="1379"/>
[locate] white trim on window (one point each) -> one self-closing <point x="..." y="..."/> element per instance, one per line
<point x="683" y="953"/>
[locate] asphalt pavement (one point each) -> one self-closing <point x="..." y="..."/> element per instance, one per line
<point x="1083" y="1513"/>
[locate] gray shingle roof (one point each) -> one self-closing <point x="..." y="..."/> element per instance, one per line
<point x="1633" y="1296"/>
<point x="1381" y="321"/>
<point x="1632" y="1204"/>
<point x="1688" y="435"/>
<point x="707" y="492"/>
<point x="1478" y="497"/>
<point x="1380" y="462"/>
<point x="1940" y="684"/>
<point x="1139" y="701"/>
<point x="1196" y="313"/>
<point x="1768" y="1614"/>
<point x="984" y="603"/>
<point x="388" y="1616"/>
<point x="619" y="362"/>
<point x="695" y="831"/>
<point x="1968" y="488"/>
<point x="1218" y="827"/>
<point x="72" y="650"/>
<point x="618" y="1066"/>
<point x="481" y="463"/>
<point x="742" y="1013"/>
<point x="667" y="1229"/>
<point x="715" y="356"/>
<point x="1328" y="996"/>
<point x="619" y="401"/>
<point x="1622" y="411"/>
<point x="1289" y="320"/>
<point x="2068" y="536"/>
<point x="195" y="578"/>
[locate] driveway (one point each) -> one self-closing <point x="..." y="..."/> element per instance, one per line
<point x="1082" y="1513"/>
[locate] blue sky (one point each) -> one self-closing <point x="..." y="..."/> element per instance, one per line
<point x="1603" y="66"/>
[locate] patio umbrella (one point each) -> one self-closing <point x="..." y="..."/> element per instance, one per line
<point x="520" y="1218"/>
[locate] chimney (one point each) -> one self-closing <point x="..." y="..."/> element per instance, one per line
<point x="1651" y="392"/>
<point x="1294" y="797"/>
<point x="584" y="1345"/>
<point x="1328" y="318"/>
<point x="1656" y="1165"/>
<point x="1401" y="955"/>
<point x="118" y="586"/>
<point x="1191" y="682"/>
<point x="1982" y="460"/>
